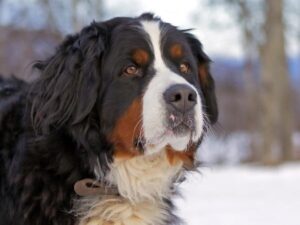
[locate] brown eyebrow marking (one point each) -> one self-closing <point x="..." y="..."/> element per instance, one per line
<point x="140" y="56"/>
<point x="176" y="51"/>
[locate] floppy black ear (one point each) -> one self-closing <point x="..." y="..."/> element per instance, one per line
<point x="68" y="86"/>
<point x="205" y="78"/>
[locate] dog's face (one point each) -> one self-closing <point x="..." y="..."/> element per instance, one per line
<point x="147" y="81"/>
<point x="153" y="96"/>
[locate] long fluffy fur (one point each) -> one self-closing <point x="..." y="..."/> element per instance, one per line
<point x="41" y="162"/>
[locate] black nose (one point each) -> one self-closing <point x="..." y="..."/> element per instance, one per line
<point x="182" y="97"/>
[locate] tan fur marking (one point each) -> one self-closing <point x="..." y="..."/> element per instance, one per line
<point x="140" y="56"/>
<point x="176" y="51"/>
<point x="124" y="155"/>
<point x="127" y="129"/>
<point x="186" y="157"/>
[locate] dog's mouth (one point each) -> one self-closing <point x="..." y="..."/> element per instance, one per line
<point x="178" y="131"/>
<point x="181" y="124"/>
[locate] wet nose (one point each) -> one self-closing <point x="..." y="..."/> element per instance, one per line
<point x="181" y="97"/>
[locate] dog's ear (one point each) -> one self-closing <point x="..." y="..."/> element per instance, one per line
<point x="205" y="78"/>
<point x="67" y="88"/>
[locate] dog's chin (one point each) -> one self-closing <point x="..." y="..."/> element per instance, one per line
<point x="178" y="138"/>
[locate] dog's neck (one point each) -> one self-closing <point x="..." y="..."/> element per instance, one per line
<point x="143" y="183"/>
<point x="144" y="177"/>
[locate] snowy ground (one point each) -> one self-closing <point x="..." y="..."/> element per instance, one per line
<point x="242" y="195"/>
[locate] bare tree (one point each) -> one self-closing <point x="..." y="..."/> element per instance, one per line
<point x="276" y="115"/>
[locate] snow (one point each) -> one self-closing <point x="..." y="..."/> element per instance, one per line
<point x="242" y="195"/>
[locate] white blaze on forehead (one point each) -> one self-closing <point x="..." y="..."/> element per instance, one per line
<point x="154" y="32"/>
<point x="165" y="76"/>
<point x="154" y="107"/>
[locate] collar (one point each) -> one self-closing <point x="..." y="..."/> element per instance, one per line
<point x="89" y="187"/>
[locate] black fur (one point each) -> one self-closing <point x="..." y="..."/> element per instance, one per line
<point x="53" y="130"/>
<point x="208" y="89"/>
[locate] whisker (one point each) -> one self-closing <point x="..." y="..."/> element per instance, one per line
<point x="140" y="138"/>
<point x="135" y="127"/>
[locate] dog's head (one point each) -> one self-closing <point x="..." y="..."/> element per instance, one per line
<point x="139" y="83"/>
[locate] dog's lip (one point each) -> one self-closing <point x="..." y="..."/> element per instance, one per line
<point x="177" y="121"/>
<point x="175" y="126"/>
<point x="169" y="132"/>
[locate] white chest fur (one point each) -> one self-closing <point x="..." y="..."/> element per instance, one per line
<point x="142" y="182"/>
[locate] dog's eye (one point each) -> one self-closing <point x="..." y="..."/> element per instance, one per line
<point x="184" y="68"/>
<point x="131" y="70"/>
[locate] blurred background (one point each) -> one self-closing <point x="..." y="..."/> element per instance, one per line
<point x="251" y="158"/>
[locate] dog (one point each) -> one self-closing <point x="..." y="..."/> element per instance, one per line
<point x="108" y="129"/>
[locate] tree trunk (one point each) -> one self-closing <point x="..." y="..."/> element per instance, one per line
<point x="276" y="118"/>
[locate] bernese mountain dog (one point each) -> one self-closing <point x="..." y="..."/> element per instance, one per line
<point x="108" y="129"/>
